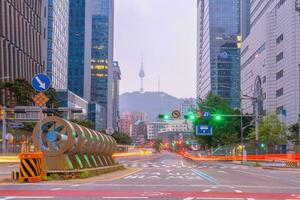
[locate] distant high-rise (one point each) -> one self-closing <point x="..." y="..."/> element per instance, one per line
<point x="80" y="39"/>
<point x="270" y="59"/>
<point x="116" y="90"/>
<point x="102" y="56"/>
<point x="55" y="49"/>
<point x="218" y="53"/>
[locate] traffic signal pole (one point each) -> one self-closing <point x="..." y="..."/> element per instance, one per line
<point x="4" y="130"/>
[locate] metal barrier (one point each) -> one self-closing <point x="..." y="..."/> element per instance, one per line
<point x="69" y="146"/>
<point x="31" y="167"/>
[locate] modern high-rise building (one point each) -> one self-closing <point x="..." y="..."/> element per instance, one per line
<point x="115" y="94"/>
<point x="245" y="18"/>
<point x="270" y="58"/>
<point x="102" y="56"/>
<point x="80" y="40"/>
<point x="20" y="39"/>
<point x="55" y="23"/>
<point x="218" y="53"/>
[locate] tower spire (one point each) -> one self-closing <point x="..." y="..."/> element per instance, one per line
<point x="142" y="75"/>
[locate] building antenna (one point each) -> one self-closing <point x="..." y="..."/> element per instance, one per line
<point x="158" y="86"/>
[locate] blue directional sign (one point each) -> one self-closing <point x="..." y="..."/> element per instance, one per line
<point x="40" y="82"/>
<point x="203" y="130"/>
<point x="206" y="114"/>
<point x="16" y="125"/>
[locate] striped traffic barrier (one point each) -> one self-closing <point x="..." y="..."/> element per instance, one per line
<point x="291" y="164"/>
<point x="31" y="167"/>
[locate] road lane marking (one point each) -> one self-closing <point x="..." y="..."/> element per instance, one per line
<point x="27" y="197"/>
<point x="57" y="189"/>
<point x="250" y="199"/>
<point x="205" y="176"/>
<point x="212" y="198"/>
<point x="189" y="198"/>
<point x="262" y="175"/>
<point x="220" y="171"/>
<point x="76" y="185"/>
<point x="125" y="197"/>
<point x="238" y="191"/>
<point x="182" y="165"/>
<point x="207" y="190"/>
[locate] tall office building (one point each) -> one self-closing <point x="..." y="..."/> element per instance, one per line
<point x="270" y="58"/>
<point x="218" y="53"/>
<point x="55" y="49"/>
<point x="115" y="94"/>
<point x="20" y="39"/>
<point x="80" y="40"/>
<point x="102" y="56"/>
<point x="245" y="18"/>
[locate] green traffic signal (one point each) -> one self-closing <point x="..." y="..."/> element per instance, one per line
<point x="262" y="145"/>
<point x="190" y="116"/>
<point x="218" y="117"/>
<point x="164" y="116"/>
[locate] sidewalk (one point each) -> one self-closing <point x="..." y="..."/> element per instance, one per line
<point x="267" y="165"/>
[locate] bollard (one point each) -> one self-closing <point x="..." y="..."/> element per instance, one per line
<point x="31" y="167"/>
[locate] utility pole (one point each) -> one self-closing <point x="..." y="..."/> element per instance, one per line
<point x="256" y="126"/>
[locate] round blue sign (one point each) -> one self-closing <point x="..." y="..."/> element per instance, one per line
<point x="40" y="82"/>
<point x="206" y="114"/>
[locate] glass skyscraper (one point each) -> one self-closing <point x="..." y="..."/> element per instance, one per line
<point x="218" y="49"/>
<point x="101" y="62"/>
<point x="79" y="59"/>
<point x="57" y="43"/>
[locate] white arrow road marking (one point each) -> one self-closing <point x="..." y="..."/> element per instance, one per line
<point x="207" y="190"/>
<point x="41" y="84"/>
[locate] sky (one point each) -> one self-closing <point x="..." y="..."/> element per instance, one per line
<point x="163" y="32"/>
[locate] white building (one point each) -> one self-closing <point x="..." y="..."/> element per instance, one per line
<point x="55" y="24"/>
<point x="156" y="128"/>
<point x="186" y="106"/>
<point x="270" y="56"/>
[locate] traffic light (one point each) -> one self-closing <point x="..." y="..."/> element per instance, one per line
<point x="262" y="145"/>
<point x="218" y="117"/>
<point x="164" y="116"/>
<point x="190" y="116"/>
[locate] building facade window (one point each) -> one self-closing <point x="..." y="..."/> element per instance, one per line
<point x="279" y="92"/>
<point x="279" y="57"/>
<point x="279" y="74"/>
<point x="279" y="39"/>
<point x="264" y="79"/>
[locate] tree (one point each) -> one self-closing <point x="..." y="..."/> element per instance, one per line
<point x="122" y="138"/>
<point x="226" y="129"/>
<point x="21" y="92"/>
<point x="272" y="132"/>
<point x="294" y="133"/>
<point x="83" y="122"/>
<point x="157" y="145"/>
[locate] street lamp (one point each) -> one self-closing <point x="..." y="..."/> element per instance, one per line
<point x="4" y="120"/>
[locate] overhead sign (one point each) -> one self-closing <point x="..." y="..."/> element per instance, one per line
<point x="203" y="130"/>
<point x="40" y="99"/>
<point x="176" y="114"/>
<point x="16" y="125"/>
<point x="40" y="82"/>
<point x="206" y="114"/>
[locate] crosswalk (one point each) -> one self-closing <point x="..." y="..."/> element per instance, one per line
<point x="178" y="166"/>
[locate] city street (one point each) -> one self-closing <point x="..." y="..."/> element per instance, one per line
<point x="169" y="176"/>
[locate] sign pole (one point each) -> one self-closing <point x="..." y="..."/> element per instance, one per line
<point x="4" y="131"/>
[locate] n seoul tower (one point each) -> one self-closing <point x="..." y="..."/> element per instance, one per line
<point x="142" y="75"/>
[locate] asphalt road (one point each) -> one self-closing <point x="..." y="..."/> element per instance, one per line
<point x="170" y="176"/>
